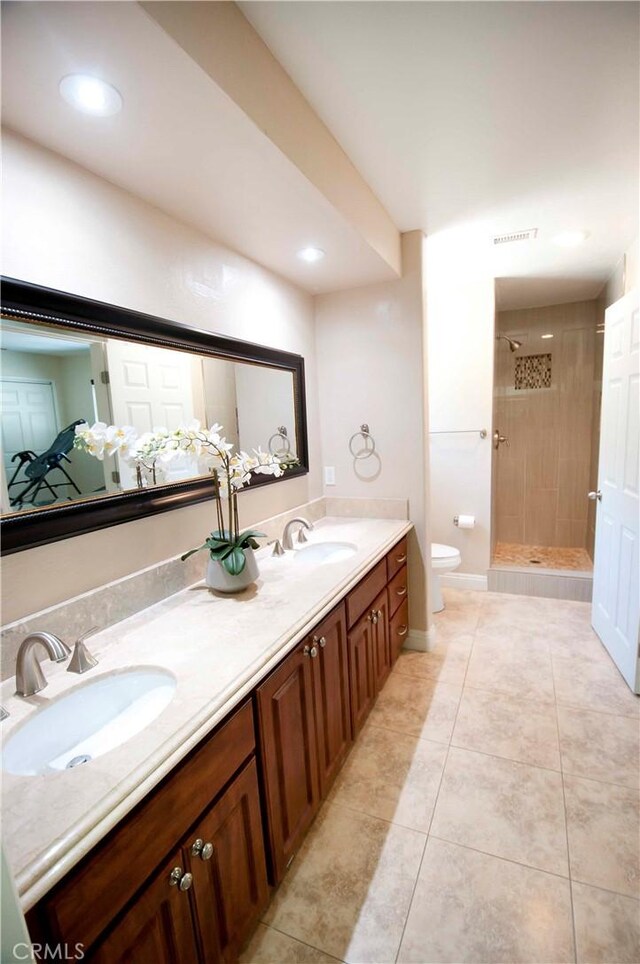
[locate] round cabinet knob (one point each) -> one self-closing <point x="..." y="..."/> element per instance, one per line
<point x="196" y="847"/>
<point x="379" y="614"/>
<point x="320" y="640"/>
<point x="207" y="851"/>
<point x="186" y="882"/>
<point x="374" y="617"/>
<point x="313" y="652"/>
<point x="175" y="876"/>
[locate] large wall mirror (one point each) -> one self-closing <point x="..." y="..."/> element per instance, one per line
<point x="68" y="363"/>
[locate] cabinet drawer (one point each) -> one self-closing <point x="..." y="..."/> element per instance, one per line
<point x="399" y="629"/>
<point x="397" y="590"/>
<point x="123" y="861"/>
<point x="365" y="592"/>
<point x="396" y="558"/>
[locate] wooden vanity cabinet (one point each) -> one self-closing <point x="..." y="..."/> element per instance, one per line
<point x="119" y="902"/>
<point x="362" y="672"/>
<point x="158" y="927"/>
<point x="330" y="669"/>
<point x="304" y="723"/>
<point x="212" y="813"/>
<point x="287" y="739"/>
<point x="225" y="855"/>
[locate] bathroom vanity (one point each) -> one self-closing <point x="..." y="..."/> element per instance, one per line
<point x="206" y="808"/>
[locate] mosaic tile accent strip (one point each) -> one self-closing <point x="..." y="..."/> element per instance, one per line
<point x="533" y="371"/>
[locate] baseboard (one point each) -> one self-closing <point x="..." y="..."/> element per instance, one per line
<point x="464" y="580"/>
<point x="421" y="640"/>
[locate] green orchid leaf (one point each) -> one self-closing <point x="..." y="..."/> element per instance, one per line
<point x="191" y="552"/>
<point x="234" y="562"/>
<point x="251" y="534"/>
<point x="221" y="553"/>
<point x="253" y="544"/>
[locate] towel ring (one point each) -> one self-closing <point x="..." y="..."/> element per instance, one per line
<point x="285" y="448"/>
<point x="369" y="443"/>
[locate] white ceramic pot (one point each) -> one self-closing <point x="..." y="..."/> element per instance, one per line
<point x="219" y="579"/>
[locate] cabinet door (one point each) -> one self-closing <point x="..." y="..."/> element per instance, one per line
<point x="158" y="927"/>
<point x="361" y="670"/>
<point x="289" y="755"/>
<point x="331" y="693"/>
<point x="382" y="662"/>
<point x="226" y="856"/>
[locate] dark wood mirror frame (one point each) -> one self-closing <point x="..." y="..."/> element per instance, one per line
<point x="28" y="302"/>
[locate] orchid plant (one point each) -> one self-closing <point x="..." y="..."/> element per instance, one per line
<point x="230" y="472"/>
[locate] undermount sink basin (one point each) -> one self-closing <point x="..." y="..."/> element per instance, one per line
<point x="322" y="553"/>
<point x="91" y="719"/>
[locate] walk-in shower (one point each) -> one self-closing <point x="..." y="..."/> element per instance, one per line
<point x="547" y="382"/>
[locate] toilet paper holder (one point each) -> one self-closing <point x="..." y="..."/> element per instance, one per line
<point x="456" y="521"/>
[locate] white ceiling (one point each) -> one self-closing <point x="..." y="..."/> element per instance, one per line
<point x="40" y="344"/>
<point x="179" y="142"/>
<point x="497" y="116"/>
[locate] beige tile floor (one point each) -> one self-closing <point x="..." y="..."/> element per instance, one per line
<point x="488" y="812"/>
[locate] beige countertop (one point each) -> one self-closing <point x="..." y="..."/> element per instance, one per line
<point x="218" y="648"/>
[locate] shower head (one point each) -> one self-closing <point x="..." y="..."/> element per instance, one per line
<point x="514" y="344"/>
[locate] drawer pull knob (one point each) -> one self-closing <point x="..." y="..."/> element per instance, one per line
<point x="311" y="651"/>
<point x="320" y="640"/>
<point x="177" y="877"/>
<point x="402" y="591"/>
<point x="379" y="614"/>
<point x="196" y="847"/>
<point x="373" y="617"/>
<point x="401" y="559"/>
<point x="186" y="882"/>
<point x="403" y="630"/>
<point x="207" y="851"/>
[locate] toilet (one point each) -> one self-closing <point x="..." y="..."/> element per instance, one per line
<point x="443" y="559"/>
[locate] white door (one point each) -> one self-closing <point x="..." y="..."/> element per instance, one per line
<point x="28" y="419"/>
<point x="151" y="388"/>
<point x="616" y="603"/>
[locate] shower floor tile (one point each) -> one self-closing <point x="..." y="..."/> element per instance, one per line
<point x="546" y="557"/>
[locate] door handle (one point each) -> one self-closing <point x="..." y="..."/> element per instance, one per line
<point x="499" y="439"/>
<point x="595" y="495"/>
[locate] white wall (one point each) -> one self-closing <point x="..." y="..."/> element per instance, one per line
<point x="460" y="329"/>
<point x="68" y="229"/>
<point x="370" y="369"/>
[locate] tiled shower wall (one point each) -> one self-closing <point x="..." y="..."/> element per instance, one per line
<point x="542" y="477"/>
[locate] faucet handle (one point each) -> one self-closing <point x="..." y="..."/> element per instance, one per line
<point x="302" y="535"/>
<point x="277" y="547"/>
<point x="82" y="660"/>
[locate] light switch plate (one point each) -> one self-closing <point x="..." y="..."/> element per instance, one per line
<point x="329" y="475"/>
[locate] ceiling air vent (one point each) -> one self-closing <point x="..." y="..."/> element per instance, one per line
<point x="527" y="235"/>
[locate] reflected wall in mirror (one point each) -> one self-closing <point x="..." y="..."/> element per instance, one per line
<point x="60" y="375"/>
<point x="52" y="382"/>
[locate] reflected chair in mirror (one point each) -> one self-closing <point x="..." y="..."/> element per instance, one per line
<point x="38" y="467"/>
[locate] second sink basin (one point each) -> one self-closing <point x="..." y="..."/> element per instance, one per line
<point x="91" y="719"/>
<point x="321" y="553"/>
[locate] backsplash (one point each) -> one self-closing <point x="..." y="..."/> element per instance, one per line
<point x="122" y="598"/>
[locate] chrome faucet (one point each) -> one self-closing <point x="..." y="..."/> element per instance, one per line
<point x="287" y="538"/>
<point x="29" y="676"/>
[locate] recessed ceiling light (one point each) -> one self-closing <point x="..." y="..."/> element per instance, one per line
<point x="570" y="239"/>
<point x="90" y="95"/>
<point x="311" y="254"/>
<point x="546" y="336"/>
